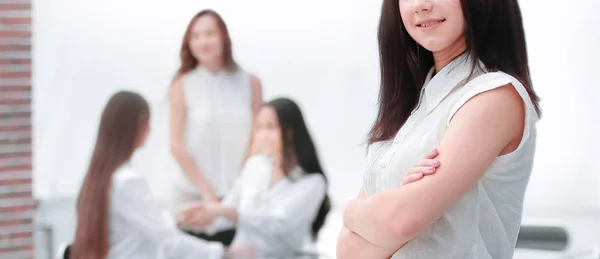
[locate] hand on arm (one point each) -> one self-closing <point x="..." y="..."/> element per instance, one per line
<point x="351" y="245"/>
<point x="177" y="133"/>
<point x="202" y="214"/>
<point x="135" y="204"/>
<point x="481" y="130"/>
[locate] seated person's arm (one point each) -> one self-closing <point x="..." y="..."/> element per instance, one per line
<point x="481" y="129"/>
<point x="252" y="168"/>
<point x="135" y="204"/>
<point x="300" y="203"/>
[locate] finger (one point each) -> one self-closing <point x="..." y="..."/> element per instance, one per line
<point x="412" y="178"/>
<point x="183" y="216"/>
<point x="200" y="223"/>
<point x="425" y="170"/>
<point x="432" y="154"/>
<point x="427" y="163"/>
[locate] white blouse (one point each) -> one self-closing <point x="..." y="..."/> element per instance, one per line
<point x="218" y="126"/>
<point x="276" y="221"/>
<point x="140" y="229"/>
<point x="485" y="222"/>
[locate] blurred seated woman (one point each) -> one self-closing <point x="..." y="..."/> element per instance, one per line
<point x="117" y="217"/>
<point x="279" y="203"/>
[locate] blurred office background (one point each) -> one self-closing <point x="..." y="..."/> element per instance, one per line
<point x="321" y="53"/>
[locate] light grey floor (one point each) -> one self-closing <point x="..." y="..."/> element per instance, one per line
<point x="583" y="226"/>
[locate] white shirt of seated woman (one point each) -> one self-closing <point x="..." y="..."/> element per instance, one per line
<point x="280" y="202"/>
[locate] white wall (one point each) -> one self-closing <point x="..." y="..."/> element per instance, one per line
<point x="321" y="53"/>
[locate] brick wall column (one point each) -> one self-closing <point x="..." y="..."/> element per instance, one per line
<point x="17" y="206"/>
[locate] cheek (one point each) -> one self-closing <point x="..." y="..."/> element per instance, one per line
<point x="195" y="45"/>
<point x="406" y="14"/>
<point x="274" y="137"/>
<point x="215" y="43"/>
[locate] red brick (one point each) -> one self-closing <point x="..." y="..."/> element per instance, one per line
<point x="15" y="20"/>
<point x="16" y="155"/>
<point x="14" y="115"/>
<point x="17" y="208"/>
<point x="15" y="249"/>
<point x="12" y="182"/>
<point x="23" y="101"/>
<point x="19" y="7"/>
<point x="16" y="215"/>
<point x="24" y="88"/>
<point x="5" y="47"/>
<point x="20" y="235"/>
<point x="15" y="74"/>
<point x="15" y="34"/>
<point x="15" y="61"/>
<point x="14" y="128"/>
<point x="13" y="222"/>
<point x="13" y="168"/>
<point x="15" y="195"/>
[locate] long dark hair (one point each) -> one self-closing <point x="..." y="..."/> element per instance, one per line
<point x="296" y="138"/>
<point x="123" y="120"/>
<point x="494" y="34"/>
<point x="188" y="61"/>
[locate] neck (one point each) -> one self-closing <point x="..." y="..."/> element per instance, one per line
<point x="213" y="66"/>
<point x="444" y="57"/>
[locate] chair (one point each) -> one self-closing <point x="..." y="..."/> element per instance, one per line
<point x="64" y="251"/>
<point x="551" y="238"/>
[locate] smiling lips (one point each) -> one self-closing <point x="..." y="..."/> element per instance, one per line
<point x="429" y="24"/>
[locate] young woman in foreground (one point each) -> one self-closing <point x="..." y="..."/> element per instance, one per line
<point x="279" y="203"/>
<point x="117" y="217"/>
<point x="455" y="77"/>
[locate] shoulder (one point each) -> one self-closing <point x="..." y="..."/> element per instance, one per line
<point x="176" y="86"/>
<point x="491" y="99"/>
<point x="125" y="178"/>
<point x="257" y="166"/>
<point x="491" y="91"/>
<point x="192" y="77"/>
<point x="255" y="83"/>
<point x="254" y="79"/>
<point x="315" y="181"/>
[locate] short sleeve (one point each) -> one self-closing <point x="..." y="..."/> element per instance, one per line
<point x="491" y="81"/>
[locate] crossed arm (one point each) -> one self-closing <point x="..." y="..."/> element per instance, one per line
<point x="352" y="245"/>
<point x="486" y="126"/>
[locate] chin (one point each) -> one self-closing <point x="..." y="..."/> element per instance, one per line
<point x="433" y="46"/>
<point x="429" y="42"/>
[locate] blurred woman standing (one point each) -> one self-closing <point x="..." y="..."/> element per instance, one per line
<point x="212" y="104"/>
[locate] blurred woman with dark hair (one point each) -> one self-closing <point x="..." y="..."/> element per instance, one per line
<point x="117" y="217"/>
<point x="280" y="202"/>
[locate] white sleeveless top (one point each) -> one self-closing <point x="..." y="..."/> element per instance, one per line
<point x="218" y="125"/>
<point x="485" y="222"/>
